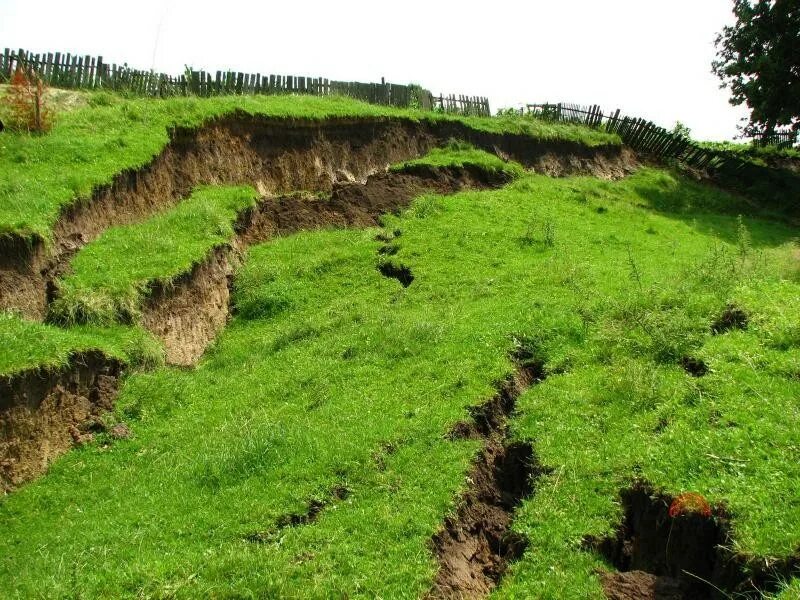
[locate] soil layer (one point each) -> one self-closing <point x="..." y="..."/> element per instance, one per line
<point x="43" y="413"/>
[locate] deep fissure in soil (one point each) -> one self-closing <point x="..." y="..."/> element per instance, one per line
<point x="396" y="271"/>
<point x="666" y="554"/>
<point x="476" y="545"/>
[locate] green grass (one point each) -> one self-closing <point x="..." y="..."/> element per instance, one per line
<point x="332" y="375"/>
<point x="758" y="154"/>
<point x="111" y="276"/>
<point x="789" y="591"/>
<point x="26" y="345"/>
<point x="40" y="175"/>
<point x="459" y="154"/>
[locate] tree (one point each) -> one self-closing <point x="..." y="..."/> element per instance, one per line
<point x="758" y="58"/>
<point x="682" y="130"/>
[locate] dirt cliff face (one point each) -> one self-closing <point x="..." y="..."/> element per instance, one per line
<point x="43" y="413"/>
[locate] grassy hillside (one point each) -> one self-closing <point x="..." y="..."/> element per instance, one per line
<point x="110" y="277"/>
<point x="39" y="175"/>
<point x="334" y="389"/>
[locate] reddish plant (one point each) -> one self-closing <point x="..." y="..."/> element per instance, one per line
<point x="26" y="105"/>
<point x="689" y="503"/>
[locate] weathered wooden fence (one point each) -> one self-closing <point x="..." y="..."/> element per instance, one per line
<point x="72" y="71"/>
<point x="641" y="135"/>
<point x="781" y="139"/>
<point x="593" y="116"/>
<point x="465" y="105"/>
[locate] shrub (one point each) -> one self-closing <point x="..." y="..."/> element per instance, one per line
<point x="26" y="105"/>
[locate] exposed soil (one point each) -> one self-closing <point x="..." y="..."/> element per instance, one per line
<point x="732" y="317"/>
<point x="640" y="585"/>
<point x="683" y="557"/>
<point x="188" y="313"/>
<point x="475" y="546"/>
<point x="355" y="204"/>
<point x="276" y="156"/>
<point x="43" y="413"/>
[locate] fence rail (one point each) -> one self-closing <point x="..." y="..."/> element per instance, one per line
<point x="641" y="135"/>
<point x="71" y="71"/>
<point x="781" y="139"/>
<point x="465" y="105"/>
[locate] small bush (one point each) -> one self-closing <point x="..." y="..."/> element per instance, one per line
<point x="25" y="104"/>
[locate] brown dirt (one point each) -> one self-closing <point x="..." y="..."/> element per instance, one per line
<point x="276" y="156"/>
<point x="732" y="317"/>
<point x="639" y="585"/>
<point x="475" y="546"/>
<point x="188" y="313"/>
<point x="684" y="557"/>
<point x="356" y="204"/>
<point x="44" y="413"/>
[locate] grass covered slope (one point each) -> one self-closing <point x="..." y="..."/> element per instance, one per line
<point x="461" y="155"/>
<point x="110" y="277"/>
<point x="25" y="345"/>
<point x="40" y="175"/>
<point x="335" y="387"/>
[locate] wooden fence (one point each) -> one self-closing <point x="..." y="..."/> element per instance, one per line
<point x="781" y="139"/>
<point x="71" y="71"/>
<point x="465" y="105"/>
<point x="641" y="135"/>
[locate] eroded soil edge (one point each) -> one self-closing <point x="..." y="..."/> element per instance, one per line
<point x="188" y="313"/>
<point x="43" y="413"/>
<point x="276" y="156"/>
<point x="475" y="546"/>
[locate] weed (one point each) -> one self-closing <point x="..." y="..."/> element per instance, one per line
<point x="26" y="104"/>
<point x="743" y="239"/>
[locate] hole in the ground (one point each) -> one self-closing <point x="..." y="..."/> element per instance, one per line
<point x="475" y="546"/>
<point x="664" y="545"/>
<point x="389" y="249"/>
<point x="400" y="272"/>
<point x="694" y="366"/>
<point x="677" y="548"/>
<point x="732" y="317"/>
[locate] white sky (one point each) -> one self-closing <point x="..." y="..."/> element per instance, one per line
<point x="650" y="58"/>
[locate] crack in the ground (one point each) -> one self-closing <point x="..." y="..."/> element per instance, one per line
<point x="732" y="317"/>
<point x="475" y="547"/>
<point x="679" y="548"/>
<point x="312" y="512"/>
